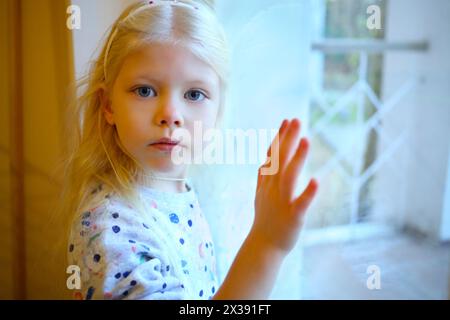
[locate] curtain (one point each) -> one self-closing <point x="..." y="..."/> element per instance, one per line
<point x="270" y="47"/>
<point x="36" y="55"/>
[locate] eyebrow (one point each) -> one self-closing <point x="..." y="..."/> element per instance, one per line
<point x="198" y="81"/>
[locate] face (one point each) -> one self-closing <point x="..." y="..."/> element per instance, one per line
<point x="161" y="88"/>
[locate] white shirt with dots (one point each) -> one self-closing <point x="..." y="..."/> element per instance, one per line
<point x="166" y="254"/>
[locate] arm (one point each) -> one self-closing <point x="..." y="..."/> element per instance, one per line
<point x="278" y="220"/>
<point x="253" y="272"/>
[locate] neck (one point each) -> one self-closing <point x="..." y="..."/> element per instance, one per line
<point x="165" y="182"/>
<point x="167" y="186"/>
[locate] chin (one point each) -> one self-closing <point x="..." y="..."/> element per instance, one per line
<point x="163" y="165"/>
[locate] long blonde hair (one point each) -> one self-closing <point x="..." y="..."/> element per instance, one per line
<point x="95" y="151"/>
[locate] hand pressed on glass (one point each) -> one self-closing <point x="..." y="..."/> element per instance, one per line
<point x="279" y="213"/>
<point x="279" y="216"/>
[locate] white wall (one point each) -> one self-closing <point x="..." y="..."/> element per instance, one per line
<point x="96" y="18"/>
<point x="411" y="190"/>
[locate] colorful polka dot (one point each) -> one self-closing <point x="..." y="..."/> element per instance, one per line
<point x="181" y="240"/>
<point x="206" y="268"/>
<point x="97" y="258"/>
<point x="144" y="257"/>
<point x="116" y="229"/>
<point x="167" y="268"/>
<point x="90" y="293"/>
<point x="183" y="263"/>
<point x="117" y="275"/>
<point x="126" y="274"/>
<point x="131" y="241"/>
<point x="71" y="248"/>
<point x="174" y="218"/>
<point x="145" y="226"/>
<point x="191" y="205"/>
<point x="125" y="293"/>
<point x="190" y="223"/>
<point x="133" y="283"/>
<point x="201" y="293"/>
<point x="115" y="215"/>
<point x="86" y="215"/>
<point x="213" y="289"/>
<point x="164" y="285"/>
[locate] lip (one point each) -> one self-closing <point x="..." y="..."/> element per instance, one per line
<point x="164" y="144"/>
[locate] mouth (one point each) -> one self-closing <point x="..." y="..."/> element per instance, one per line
<point x="164" y="144"/>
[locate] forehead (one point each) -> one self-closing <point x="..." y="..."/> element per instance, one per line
<point x="166" y="63"/>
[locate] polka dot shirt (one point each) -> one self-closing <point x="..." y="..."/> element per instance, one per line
<point x="167" y="253"/>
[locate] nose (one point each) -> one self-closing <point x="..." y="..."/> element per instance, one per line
<point x="168" y="115"/>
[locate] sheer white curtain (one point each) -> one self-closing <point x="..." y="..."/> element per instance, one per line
<point x="270" y="46"/>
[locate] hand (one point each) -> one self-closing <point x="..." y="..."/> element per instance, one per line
<point x="279" y="214"/>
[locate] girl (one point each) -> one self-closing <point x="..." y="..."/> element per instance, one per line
<point x="138" y="231"/>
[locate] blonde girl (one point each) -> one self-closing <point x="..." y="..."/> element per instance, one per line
<point x="137" y="230"/>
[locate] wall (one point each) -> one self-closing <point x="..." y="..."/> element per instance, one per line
<point x="96" y="18"/>
<point x="411" y="190"/>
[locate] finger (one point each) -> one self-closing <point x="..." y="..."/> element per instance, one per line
<point x="287" y="143"/>
<point x="302" y="203"/>
<point x="293" y="169"/>
<point x="273" y="146"/>
<point x="279" y="134"/>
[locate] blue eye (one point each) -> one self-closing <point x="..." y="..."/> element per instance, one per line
<point x="143" y="92"/>
<point x="194" y="95"/>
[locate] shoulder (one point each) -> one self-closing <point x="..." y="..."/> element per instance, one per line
<point x="107" y="221"/>
<point x="106" y="208"/>
<point x="102" y="200"/>
<point x="103" y="210"/>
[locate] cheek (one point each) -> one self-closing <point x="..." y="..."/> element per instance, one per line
<point x="207" y="115"/>
<point x="204" y="119"/>
<point x="130" y="128"/>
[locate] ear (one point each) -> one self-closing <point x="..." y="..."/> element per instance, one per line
<point x="106" y="105"/>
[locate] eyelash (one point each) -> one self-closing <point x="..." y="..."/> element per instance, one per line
<point x="147" y="87"/>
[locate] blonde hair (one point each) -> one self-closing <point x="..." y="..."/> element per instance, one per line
<point x="95" y="151"/>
